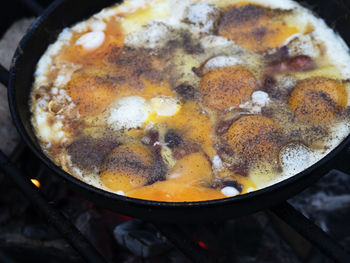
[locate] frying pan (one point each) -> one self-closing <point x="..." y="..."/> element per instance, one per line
<point x="44" y="31"/>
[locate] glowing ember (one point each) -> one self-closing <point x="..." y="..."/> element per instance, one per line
<point x="35" y="182"/>
<point x="202" y="244"/>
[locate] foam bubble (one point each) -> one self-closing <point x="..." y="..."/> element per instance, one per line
<point x="203" y="16"/>
<point x="91" y="40"/>
<point x="229" y="191"/>
<point x="221" y="61"/>
<point x="155" y="35"/>
<point x="295" y="158"/>
<point x="129" y="112"/>
<point x="260" y="98"/>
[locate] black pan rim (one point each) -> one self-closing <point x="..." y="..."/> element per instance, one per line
<point x="270" y="190"/>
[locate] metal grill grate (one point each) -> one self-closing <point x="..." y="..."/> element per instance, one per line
<point x="174" y="233"/>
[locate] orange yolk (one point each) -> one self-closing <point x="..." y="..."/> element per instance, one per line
<point x="127" y="167"/>
<point x="169" y="191"/>
<point x="255" y="27"/>
<point x="91" y="94"/>
<point x="193" y="169"/>
<point x="227" y="87"/>
<point x="195" y="125"/>
<point x="254" y="138"/>
<point x="318" y="99"/>
<point x="114" y="41"/>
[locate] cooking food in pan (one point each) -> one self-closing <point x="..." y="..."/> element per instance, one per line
<point x="188" y="100"/>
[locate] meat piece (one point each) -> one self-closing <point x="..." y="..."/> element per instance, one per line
<point x="301" y="63"/>
<point x="294" y="64"/>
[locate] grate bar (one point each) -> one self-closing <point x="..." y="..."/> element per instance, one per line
<point x="33" y="6"/>
<point x="56" y="218"/>
<point x="311" y="232"/>
<point x="4" y="75"/>
<point x="188" y="247"/>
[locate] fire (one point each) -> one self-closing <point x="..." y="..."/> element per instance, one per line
<point x="202" y="244"/>
<point x="35" y="182"/>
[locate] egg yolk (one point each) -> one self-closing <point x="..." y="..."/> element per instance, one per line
<point x="255" y="138"/>
<point x="318" y="99"/>
<point x="193" y="169"/>
<point x="91" y="94"/>
<point x="169" y="191"/>
<point x="126" y="167"/>
<point x="227" y="87"/>
<point x="195" y="125"/>
<point x="255" y="27"/>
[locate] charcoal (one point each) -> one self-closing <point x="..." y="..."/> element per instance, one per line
<point x="96" y="228"/>
<point x="40" y="232"/>
<point x="327" y="203"/>
<point x="141" y="238"/>
<point x="4" y="214"/>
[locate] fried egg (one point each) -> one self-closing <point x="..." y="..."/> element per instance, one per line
<point x="191" y="100"/>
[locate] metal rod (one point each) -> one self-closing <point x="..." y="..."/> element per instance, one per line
<point x="311" y="232"/>
<point x="56" y="218"/>
<point x="188" y="247"/>
<point x="33" y="6"/>
<point x="4" y="75"/>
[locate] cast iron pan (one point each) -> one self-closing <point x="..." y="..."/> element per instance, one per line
<point x="63" y="13"/>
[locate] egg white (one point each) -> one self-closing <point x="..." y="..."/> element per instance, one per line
<point x="133" y="112"/>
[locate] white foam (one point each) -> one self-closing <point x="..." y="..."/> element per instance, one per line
<point x="250" y="189"/>
<point x="202" y="16"/>
<point x="128" y="7"/>
<point x="155" y="35"/>
<point x="295" y="158"/>
<point x="63" y="77"/>
<point x="175" y="175"/>
<point x="98" y="25"/>
<point x="260" y="98"/>
<point x="339" y="132"/>
<point x="77" y="172"/>
<point x="45" y="62"/>
<point x="81" y="27"/>
<point x="211" y="41"/>
<point x="285" y="4"/>
<point x="221" y="61"/>
<point x="91" y="40"/>
<point x="120" y="192"/>
<point x="229" y="191"/>
<point x="54" y="91"/>
<point x="165" y="106"/>
<point x="217" y="163"/>
<point x="336" y="48"/>
<point x="302" y="45"/>
<point x="129" y="112"/>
